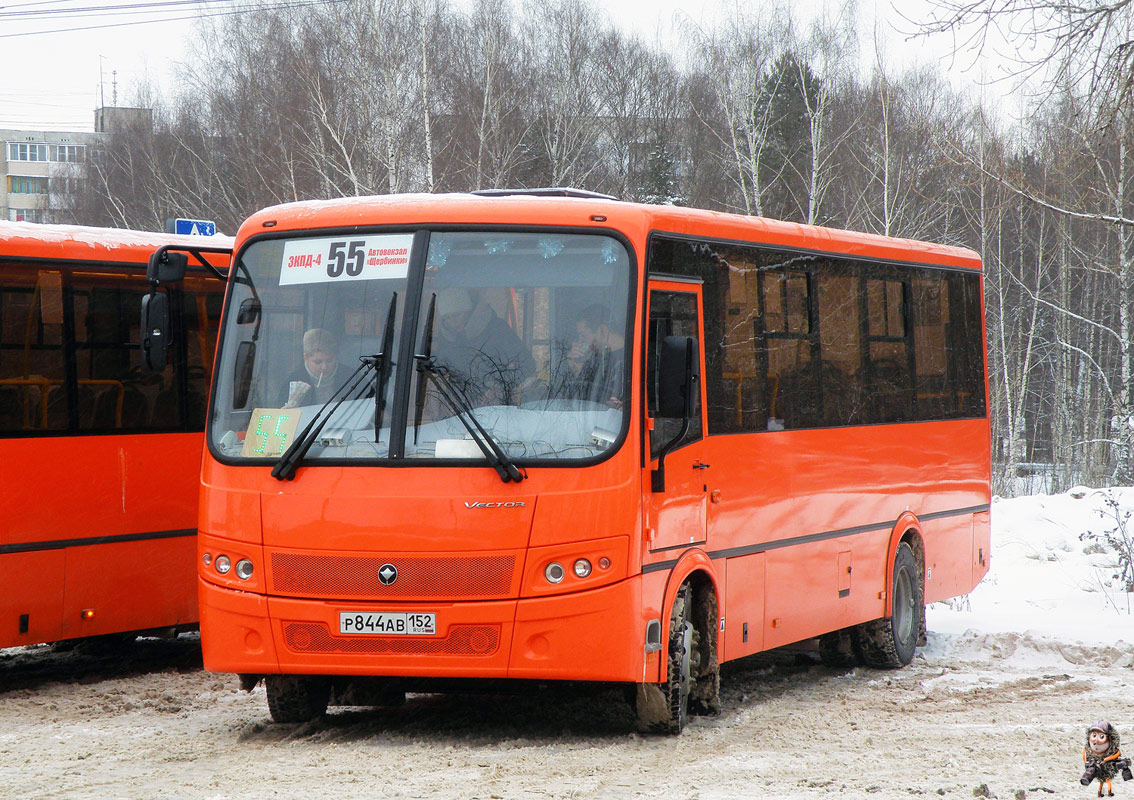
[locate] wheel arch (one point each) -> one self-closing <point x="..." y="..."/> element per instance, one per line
<point x="907" y="530"/>
<point x="694" y="567"/>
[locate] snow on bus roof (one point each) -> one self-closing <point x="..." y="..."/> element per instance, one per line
<point x="469" y="208"/>
<point x="32" y="239"/>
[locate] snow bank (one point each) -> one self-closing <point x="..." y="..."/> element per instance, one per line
<point x="1050" y="594"/>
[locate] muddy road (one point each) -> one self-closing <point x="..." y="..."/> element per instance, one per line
<point x="976" y="715"/>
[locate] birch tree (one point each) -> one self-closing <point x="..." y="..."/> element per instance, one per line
<point x="563" y="37"/>
<point x="736" y="61"/>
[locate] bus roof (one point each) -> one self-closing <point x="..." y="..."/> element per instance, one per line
<point x="521" y="209"/>
<point x="75" y="242"/>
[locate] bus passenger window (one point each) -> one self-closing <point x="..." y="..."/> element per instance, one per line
<point x="886" y="365"/>
<point x="111" y="393"/>
<point x="31" y="351"/>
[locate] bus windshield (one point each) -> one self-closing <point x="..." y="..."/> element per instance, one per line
<point x="521" y="335"/>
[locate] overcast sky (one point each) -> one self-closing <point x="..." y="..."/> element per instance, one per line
<point x="54" y="81"/>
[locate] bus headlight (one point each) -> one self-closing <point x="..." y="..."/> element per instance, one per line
<point x="223" y="564"/>
<point x="554" y="572"/>
<point x="582" y="568"/>
<point x="244" y="569"/>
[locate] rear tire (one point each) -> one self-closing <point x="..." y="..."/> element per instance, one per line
<point x="889" y="643"/>
<point x="297" y="698"/>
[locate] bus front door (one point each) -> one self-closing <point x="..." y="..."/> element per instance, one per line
<point x="678" y="512"/>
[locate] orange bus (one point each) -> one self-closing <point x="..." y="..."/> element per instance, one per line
<point x="99" y="459"/>
<point x="562" y="437"/>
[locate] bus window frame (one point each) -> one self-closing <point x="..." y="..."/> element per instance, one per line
<point x="414" y="285"/>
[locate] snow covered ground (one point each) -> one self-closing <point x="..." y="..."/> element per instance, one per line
<point x="996" y="706"/>
<point x="1051" y="578"/>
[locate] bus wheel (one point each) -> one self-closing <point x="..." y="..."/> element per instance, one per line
<point x="297" y="698"/>
<point x="705" y="688"/>
<point x="664" y="708"/>
<point x="889" y="642"/>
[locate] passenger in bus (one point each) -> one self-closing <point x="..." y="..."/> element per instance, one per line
<point x="319" y="376"/>
<point x="487" y="361"/>
<point x="597" y="358"/>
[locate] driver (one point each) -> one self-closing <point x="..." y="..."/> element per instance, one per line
<point x="321" y="373"/>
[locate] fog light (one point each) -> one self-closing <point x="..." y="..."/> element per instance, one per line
<point x="554" y="572"/>
<point x="582" y="568"/>
<point x="223" y="564"/>
<point x="604" y="563"/>
<point x="207" y="559"/>
<point x="244" y="569"/>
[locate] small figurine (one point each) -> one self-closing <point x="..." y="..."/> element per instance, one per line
<point x="1102" y="758"/>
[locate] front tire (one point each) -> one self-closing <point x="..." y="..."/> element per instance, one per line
<point x="664" y="708"/>
<point x="297" y="698"/>
<point x="889" y="643"/>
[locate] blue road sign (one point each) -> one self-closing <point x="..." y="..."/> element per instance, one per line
<point x="194" y="227"/>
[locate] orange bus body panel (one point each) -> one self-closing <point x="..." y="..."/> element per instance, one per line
<point x="800" y="534"/>
<point x="100" y="535"/>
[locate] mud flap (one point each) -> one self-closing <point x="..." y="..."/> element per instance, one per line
<point x="650" y="706"/>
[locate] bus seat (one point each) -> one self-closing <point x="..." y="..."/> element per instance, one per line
<point x="889" y="391"/>
<point x="105" y="408"/>
<point x="56" y="408"/>
<point x="135" y="409"/>
<point x="11" y="408"/>
<point x="799" y="398"/>
<point x="86" y="399"/>
<point x="817" y="396"/>
<point x="164" y="414"/>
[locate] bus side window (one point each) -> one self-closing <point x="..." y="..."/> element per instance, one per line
<point x="112" y="393"/>
<point x="887" y="352"/>
<point x="790" y="346"/>
<point x="31" y="350"/>
<point x="800" y="340"/>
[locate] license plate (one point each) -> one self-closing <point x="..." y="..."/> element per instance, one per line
<point x="387" y="623"/>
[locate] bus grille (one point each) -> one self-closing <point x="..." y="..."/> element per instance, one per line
<point x="438" y="578"/>
<point x="463" y="640"/>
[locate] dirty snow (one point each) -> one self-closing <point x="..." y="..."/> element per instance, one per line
<point x="995" y="706"/>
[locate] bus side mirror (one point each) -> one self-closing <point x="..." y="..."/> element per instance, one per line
<point x="678" y="368"/>
<point x="166" y="267"/>
<point x="155" y="331"/>
<point x="248" y="312"/>
<point x="242" y="374"/>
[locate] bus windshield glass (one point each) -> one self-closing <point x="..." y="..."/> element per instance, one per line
<point x="517" y="337"/>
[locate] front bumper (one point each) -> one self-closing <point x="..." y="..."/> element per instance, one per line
<point x="595" y="635"/>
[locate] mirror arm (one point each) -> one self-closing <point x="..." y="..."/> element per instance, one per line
<point x="160" y="258"/>
<point x="216" y="272"/>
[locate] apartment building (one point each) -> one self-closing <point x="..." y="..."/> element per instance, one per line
<point x="41" y="171"/>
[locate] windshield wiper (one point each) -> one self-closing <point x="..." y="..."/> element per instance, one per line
<point x="290" y="459"/>
<point x="426" y="352"/>
<point x="463" y="411"/>
<point x="384" y="366"/>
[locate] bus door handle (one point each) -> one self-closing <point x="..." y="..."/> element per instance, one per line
<point x="700" y="465"/>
